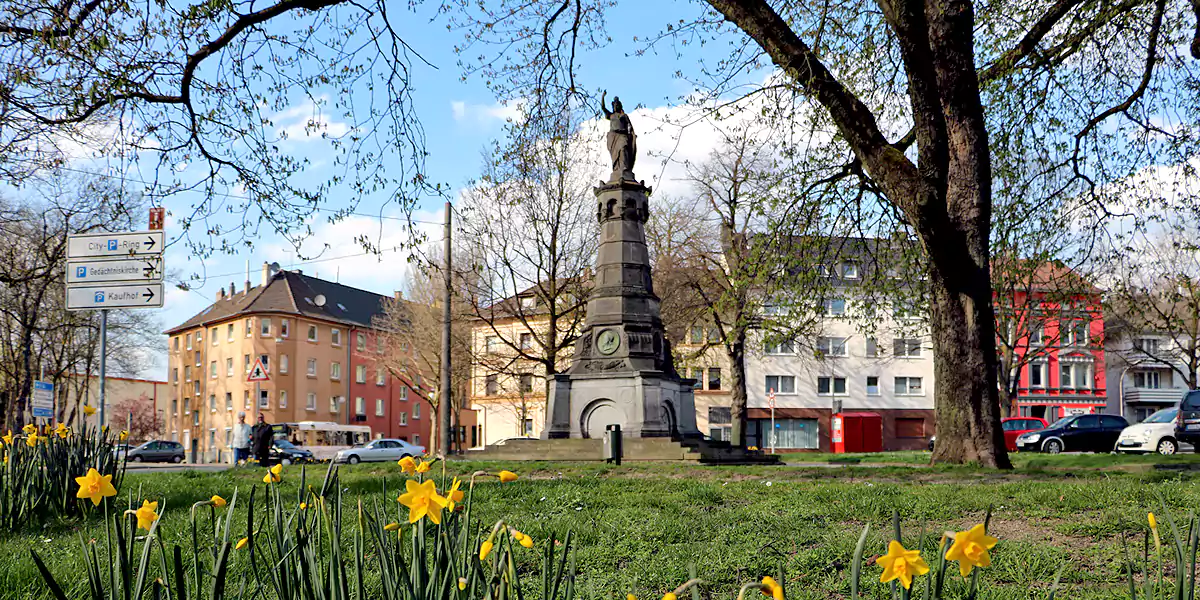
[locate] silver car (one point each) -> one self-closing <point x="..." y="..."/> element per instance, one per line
<point x="379" y="451"/>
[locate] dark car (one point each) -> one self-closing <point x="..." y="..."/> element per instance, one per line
<point x="283" y="451"/>
<point x="156" y="451"/>
<point x="1076" y="433"/>
<point x="1187" y="425"/>
<point x="1013" y="428"/>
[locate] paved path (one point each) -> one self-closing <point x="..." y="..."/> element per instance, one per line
<point x="133" y="467"/>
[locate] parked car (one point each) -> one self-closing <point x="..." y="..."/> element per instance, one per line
<point x="379" y="450"/>
<point x="121" y="451"/>
<point x="1187" y="425"/>
<point x="156" y="451"/>
<point x="283" y="451"/>
<point x="1075" y="433"/>
<point x="1013" y="428"/>
<point x="1155" y="434"/>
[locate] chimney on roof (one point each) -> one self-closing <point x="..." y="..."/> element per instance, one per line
<point x="246" y="290"/>
<point x="398" y="295"/>
<point x="232" y="290"/>
<point x="220" y="293"/>
<point x="266" y="273"/>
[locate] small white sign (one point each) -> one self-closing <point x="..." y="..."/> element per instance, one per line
<point x="133" y="243"/>
<point x="116" y="295"/>
<point x="42" y="402"/>
<point x="142" y="269"/>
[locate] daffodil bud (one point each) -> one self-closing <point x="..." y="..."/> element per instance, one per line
<point x="485" y="549"/>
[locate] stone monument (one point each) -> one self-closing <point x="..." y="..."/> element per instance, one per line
<point x="622" y="372"/>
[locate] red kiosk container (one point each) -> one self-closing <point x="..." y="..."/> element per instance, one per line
<point x="857" y="432"/>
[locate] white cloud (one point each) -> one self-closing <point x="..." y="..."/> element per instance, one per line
<point x="308" y="121"/>
<point x="484" y="114"/>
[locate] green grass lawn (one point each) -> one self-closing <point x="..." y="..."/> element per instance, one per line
<point x="638" y="526"/>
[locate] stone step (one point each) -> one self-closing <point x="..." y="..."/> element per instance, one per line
<point x="634" y="449"/>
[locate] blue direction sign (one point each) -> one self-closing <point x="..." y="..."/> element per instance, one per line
<point x="42" y="402"/>
<point x="102" y="270"/>
<point x="115" y="295"/>
<point x="133" y="243"/>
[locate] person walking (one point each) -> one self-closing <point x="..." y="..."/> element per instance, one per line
<point x="241" y="440"/>
<point x="262" y="437"/>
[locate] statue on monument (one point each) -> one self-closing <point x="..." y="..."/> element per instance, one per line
<point x="622" y="141"/>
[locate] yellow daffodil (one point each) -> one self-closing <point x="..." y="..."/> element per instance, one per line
<point x="242" y="543"/>
<point x="901" y="564"/>
<point x="970" y="549"/>
<point x="423" y="466"/>
<point x="123" y="435"/>
<point x="630" y="597"/>
<point x="62" y="430"/>
<point x="422" y="500"/>
<point x="670" y="596"/>
<point x="462" y="583"/>
<point x="89" y="410"/>
<point x="391" y="527"/>
<point x="32" y="440"/>
<point x="217" y="501"/>
<point x="146" y="515"/>
<point x="773" y="589"/>
<point x="95" y="486"/>
<point x="303" y="506"/>
<point x="507" y="476"/>
<point x="273" y="474"/>
<point x="8" y="438"/>
<point x="1154" y="531"/>
<point x="454" y="495"/>
<point x="407" y="464"/>
<point x="485" y="549"/>
<point x="29" y="428"/>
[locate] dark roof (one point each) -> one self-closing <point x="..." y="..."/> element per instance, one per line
<point x="291" y="292"/>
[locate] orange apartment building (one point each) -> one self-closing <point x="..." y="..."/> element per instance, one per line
<point x="318" y="344"/>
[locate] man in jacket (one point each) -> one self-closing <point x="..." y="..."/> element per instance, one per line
<point x="262" y="437"/>
<point x="241" y="440"/>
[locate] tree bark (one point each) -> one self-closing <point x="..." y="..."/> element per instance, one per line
<point x="737" y="386"/>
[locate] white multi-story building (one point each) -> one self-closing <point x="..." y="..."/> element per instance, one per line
<point x="862" y="356"/>
<point x="1146" y="371"/>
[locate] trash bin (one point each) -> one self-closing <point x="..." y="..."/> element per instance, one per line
<point x="612" y="443"/>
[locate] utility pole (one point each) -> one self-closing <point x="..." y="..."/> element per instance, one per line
<point x="446" y="396"/>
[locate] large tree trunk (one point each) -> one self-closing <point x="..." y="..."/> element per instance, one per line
<point x="736" y="351"/>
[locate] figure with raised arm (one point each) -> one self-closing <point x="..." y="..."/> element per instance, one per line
<point x="622" y="141"/>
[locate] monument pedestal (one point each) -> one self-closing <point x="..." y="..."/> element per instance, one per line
<point x="644" y="404"/>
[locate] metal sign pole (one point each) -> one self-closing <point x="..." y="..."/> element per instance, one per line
<point x="773" y="434"/>
<point x="103" y="358"/>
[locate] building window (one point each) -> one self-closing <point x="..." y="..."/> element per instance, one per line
<point x="174" y="406"/>
<point x="212" y="335"/>
<point x="910" y="428"/>
<point x="1147" y="379"/>
<point x="1147" y="346"/>
<point x="310" y="402"/>
<point x="528" y="303"/>
<point x="698" y="376"/>
<point x="491" y="385"/>
<point x="197" y="356"/>
<point x="834" y="307"/>
<point x="285" y="327"/>
<point x="196" y="387"/>
<point x="264" y="326"/>
<point x="1037" y="375"/>
<point x="228" y="401"/>
<point x="526" y="383"/>
<point x="229" y="367"/>
<point x="212" y="403"/>
<point x="212" y="369"/>
<point x="283" y="363"/>
<point x="246" y="399"/>
<point x="404" y="393"/>
<point x="872" y="347"/>
<point x="528" y="428"/>
<point x="359" y="407"/>
<point x="872" y="385"/>
<point x="831" y="346"/>
<point x="780" y="347"/>
<point x="187" y="406"/>
<point x="697" y="334"/>
<point x="264" y="399"/>
<point x="175" y="343"/>
<point x="265" y="359"/>
<point x="379" y="407"/>
<point x="1076" y="333"/>
<point x="312" y="367"/>
<point x="850" y="270"/>
<point x="335" y="336"/>
<point x="831" y="386"/>
<point x="526" y="341"/>
<point x="417" y="439"/>
<point x="334" y="401"/>
<point x="312" y="333"/>
<point x="247" y="363"/>
<point x="714" y="378"/>
<point x="335" y="370"/>
<point x="249" y="327"/>
<point x="189" y="341"/>
<point x="360" y="374"/>
<point x="379" y="376"/>
<point x="403" y="418"/>
<point x="360" y="342"/>
<point x="175" y="375"/>
<point x="1037" y="335"/>
<point x="229" y="332"/>
<point x="906" y="348"/>
<point x="909" y="386"/>
<point x="282" y="398"/>
<point x="720" y="415"/>
<point x="491" y="344"/>
<point x="187" y="372"/>
<point x="781" y="384"/>
<point x="1075" y="376"/>
<point x="416" y="410"/>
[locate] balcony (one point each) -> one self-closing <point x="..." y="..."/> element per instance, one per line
<point x="1159" y="396"/>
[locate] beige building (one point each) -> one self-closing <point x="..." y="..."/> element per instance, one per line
<point x="707" y="364"/>
<point x="316" y="341"/>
